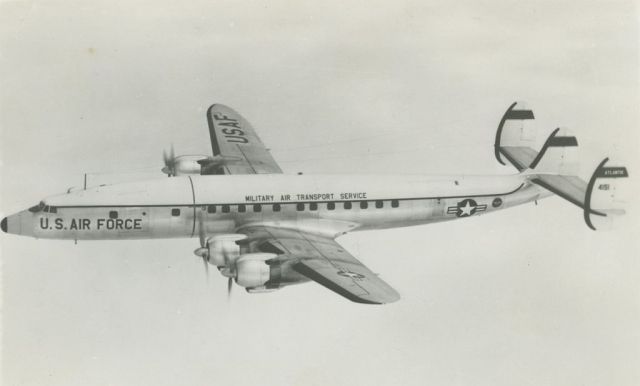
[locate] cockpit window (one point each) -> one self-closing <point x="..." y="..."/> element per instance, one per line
<point x="37" y="208"/>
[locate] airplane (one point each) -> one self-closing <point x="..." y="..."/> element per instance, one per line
<point x="265" y="230"/>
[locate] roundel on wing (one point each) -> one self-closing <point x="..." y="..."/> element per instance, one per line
<point x="352" y="275"/>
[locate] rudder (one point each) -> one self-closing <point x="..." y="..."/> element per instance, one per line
<point x="516" y="136"/>
<point x="601" y="197"/>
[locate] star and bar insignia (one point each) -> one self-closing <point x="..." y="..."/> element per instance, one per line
<point x="350" y="274"/>
<point x="466" y="208"/>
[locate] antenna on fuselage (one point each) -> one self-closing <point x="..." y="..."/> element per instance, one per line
<point x="85" y="181"/>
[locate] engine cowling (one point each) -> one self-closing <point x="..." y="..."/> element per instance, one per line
<point x="223" y="249"/>
<point x="185" y="165"/>
<point x="252" y="270"/>
<point x="195" y="164"/>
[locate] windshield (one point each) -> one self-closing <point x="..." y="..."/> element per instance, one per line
<point x="37" y="208"/>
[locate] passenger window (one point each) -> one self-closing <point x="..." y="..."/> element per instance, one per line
<point x="211" y="209"/>
<point x="364" y="205"/>
<point x="313" y="206"/>
<point x="46" y="209"/>
<point x="225" y="208"/>
<point x="331" y="205"/>
<point x="394" y="203"/>
<point x="276" y="207"/>
<point x="113" y="214"/>
<point x="242" y="208"/>
<point x="347" y="205"/>
<point x="174" y="212"/>
<point x="257" y="208"/>
<point x="300" y="207"/>
<point x="53" y="209"/>
<point x="379" y="204"/>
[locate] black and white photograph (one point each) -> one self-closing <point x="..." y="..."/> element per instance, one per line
<point x="264" y="193"/>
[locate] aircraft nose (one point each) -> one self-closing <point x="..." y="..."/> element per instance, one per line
<point x="3" y="225"/>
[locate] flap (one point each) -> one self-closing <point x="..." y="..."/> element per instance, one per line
<point x="324" y="261"/>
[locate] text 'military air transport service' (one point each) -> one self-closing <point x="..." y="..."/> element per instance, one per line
<point x="266" y="230"/>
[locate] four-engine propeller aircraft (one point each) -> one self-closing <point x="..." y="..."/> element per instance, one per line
<point x="267" y="230"/>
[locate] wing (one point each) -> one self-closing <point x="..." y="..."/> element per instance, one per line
<point x="237" y="149"/>
<point x="324" y="261"/>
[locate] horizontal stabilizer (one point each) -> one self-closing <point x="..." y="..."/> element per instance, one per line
<point x="597" y="198"/>
<point x="516" y="142"/>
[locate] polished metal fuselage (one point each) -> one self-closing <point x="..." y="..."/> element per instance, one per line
<point x="189" y="206"/>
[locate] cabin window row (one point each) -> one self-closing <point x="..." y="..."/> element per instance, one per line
<point x="242" y="208"/>
<point x="313" y="206"/>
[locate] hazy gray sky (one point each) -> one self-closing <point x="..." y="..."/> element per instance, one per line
<point x="528" y="296"/>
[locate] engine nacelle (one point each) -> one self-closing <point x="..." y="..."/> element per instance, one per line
<point x="252" y="269"/>
<point x="223" y="249"/>
<point x="185" y="165"/>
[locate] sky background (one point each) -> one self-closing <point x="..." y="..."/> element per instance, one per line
<point x="528" y="296"/>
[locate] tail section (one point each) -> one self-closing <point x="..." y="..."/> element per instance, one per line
<point x="558" y="154"/>
<point x="555" y="166"/>
<point x="601" y="195"/>
<point x="516" y="136"/>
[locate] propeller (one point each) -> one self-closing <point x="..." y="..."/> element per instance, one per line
<point x="203" y="245"/>
<point x="169" y="162"/>
<point x="203" y="252"/>
<point x="231" y="272"/>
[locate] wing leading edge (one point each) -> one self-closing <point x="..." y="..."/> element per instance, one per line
<point x="324" y="261"/>
<point x="236" y="144"/>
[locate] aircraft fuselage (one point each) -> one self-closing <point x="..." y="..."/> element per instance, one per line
<point x="326" y="204"/>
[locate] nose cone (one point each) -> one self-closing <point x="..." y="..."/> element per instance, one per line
<point x="14" y="224"/>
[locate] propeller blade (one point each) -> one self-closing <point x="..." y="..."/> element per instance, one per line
<point x="201" y="231"/>
<point x="229" y="286"/>
<point x="203" y="245"/>
<point x="206" y="267"/>
<point x="169" y="162"/>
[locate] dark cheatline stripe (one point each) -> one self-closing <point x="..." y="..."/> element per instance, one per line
<point x="600" y="172"/>
<point x="510" y="114"/>
<point x="563" y="141"/>
<point x="519" y="114"/>
<point x="496" y="145"/>
<point x="544" y="149"/>
<point x="587" y="196"/>
<point x="287" y="202"/>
